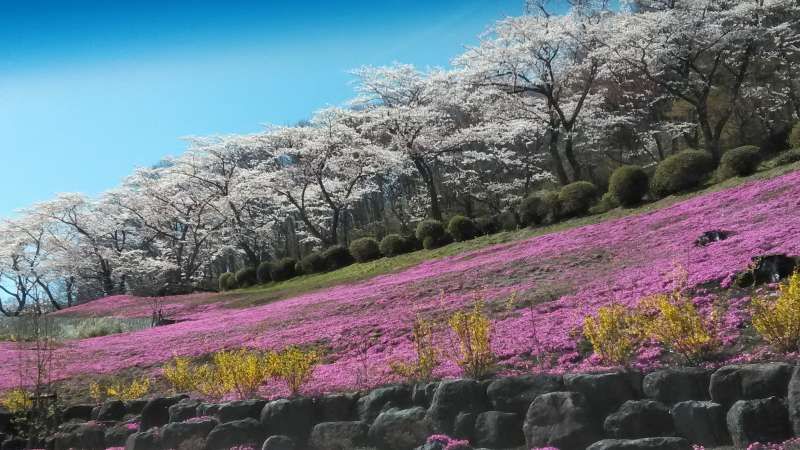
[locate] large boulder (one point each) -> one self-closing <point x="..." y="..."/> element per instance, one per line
<point x="497" y="429"/>
<point x="338" y="435"/>
<point x="175" y="433"/>
<point x="794" y="400"/>
<point x="289" y="417"/>
<point x="111" y="411"/>
<point x="515" y="394"/>
<point x="117" y="435"/>
<point x="336" y="407"/>
<point x="767" y="269"/>
<point x="144" y="440"/>
<point x="156" y="412"/>
<point x="422" y="394"/>
<point x="464" y="426"/>
<point x="604" y="392"/>
<point x="654" y="443"/>
<point x="13" y="443"/>
<point x="239" y="432"/>
<point x="762" y="420"/>
<point x="701" y="422"/>
<point x="136" y="406"/>
<point x="183" y="410"/>
<point x="279" y="442"/>
<point x="749" y="382"/>
<point x="453" y="397"/>
<point x="637" y="419"/>
<point x="5" y="419"/>
<point x="381" y="399"/>
<point x="88" y="436"/>
<point x="561" y="419"/>
<point x="74" y="412"/>
<point x="207" y="409"/>
<point x="671" y="386"/>
<point x="400" y="429"/>
<point x="238" y="410"/>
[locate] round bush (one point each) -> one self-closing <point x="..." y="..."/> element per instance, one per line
<point x="312" y="263"/>
<point x="607" y="203"/>
<point x="794" y="136"/>
<point x="681" y="171"/>
<point x="462" y="228"/>
<point x="393" y="245"/>
<point x="246" y="277"/>
<point x="576" y="198"/>
<point x="531" y="211"/>
<point x="487" y="225"/>
<point x="430" y="228"/>
<point x="739" y="162"/>
<point x="227" y="281"/>
<point x="263" y="272"/>
<point x="788" y="157"/>
<point x="365" y="249"/>
<point x="283" y="269"/>
<point x="412" y="243"/>
<point x="507" y="220"/>
<point x="337" y="257"/>
<point x="628" y="185"/>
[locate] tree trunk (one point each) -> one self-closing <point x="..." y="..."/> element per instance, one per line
<point x="427" y="175"/>
<point x="558" y="165"/>
<point x="577" y="172"/>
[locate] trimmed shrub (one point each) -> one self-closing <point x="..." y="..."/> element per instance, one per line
<point x="576" y="198"/>
<point x="739" y="162"/>
<point x="628" y="185"/>
<point x="365" y="249"/>
<point x="430" y="229"/>
<point x="794" y="136"/>
<point x="312" y="263"/>
<point x="607" y="203"/>
<point x="283" y="269"/>
<point x="246" y="277"/>
<point x="507" y="221"/>
<point x="263" y="272"/>
<point x="412" y="243"/>
<point x="337" y="257"/>
<point x="227" y="281"/>
<point x="487" y="225"/>
<point x="462" y="228"/>
<point x="788" y="157"/>
<point x="531" y="210"/>
<point x="393" y="245"/>
<point x="551" y="206"/>
<point x="680" y="172"/>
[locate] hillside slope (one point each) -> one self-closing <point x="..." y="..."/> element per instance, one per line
<point x="555" y="279"/>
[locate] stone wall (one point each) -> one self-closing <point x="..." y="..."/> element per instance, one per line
<point x="666" y="409"/>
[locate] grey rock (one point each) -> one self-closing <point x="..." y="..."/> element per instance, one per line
<point x="398" y="429"/>
<point x="293" y="418"/>
<point x="238" y="410"/>
<point x="637" y="419"/>
<point x="749" y="382"/>
<point x="117" y="435"/>
<point x="111" y="411"/>
<point x="156" y="412"/>
<point x="381" y="399"/>
<point x="453" y="397"/>
<point x="515" y="394"/>
<point x="279" y="442"/>
<point x="656" y="443"/>
<point x="701" y="422"/>
<point x="74" y="412"/>
<point x="604" y="392"/>
<point x="498" y="429"/>
<point x="561" y="419"/>
<point x="671" y="386"/>
<point x="239" y="432"/>
<point x="338" y="435"/>
<point x="336" y="407"/>
<point x="144" y="440"/>
<point x="762" y="420"/>
<point x="175" y="433"/>
<point x="183" y="410"/>
<point x="793" y="399"/>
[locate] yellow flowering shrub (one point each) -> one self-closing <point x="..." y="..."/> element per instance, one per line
<point x="678" y="327"/>
<point x="293" y="366"/>
<point x="242" y="371"/>
<point x="473" y="330"/>
<point x="119" y="390"/>
<point x="614" y="334"/>
<point x="778" y="320"/>
<point x="16" y="401"/>
<point x="180" y="374"/>
<point x="425" y="349"/>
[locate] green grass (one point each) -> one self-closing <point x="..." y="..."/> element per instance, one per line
<point x="262" y="294"/>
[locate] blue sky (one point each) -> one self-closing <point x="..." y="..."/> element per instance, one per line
<point x="91" y="89"/>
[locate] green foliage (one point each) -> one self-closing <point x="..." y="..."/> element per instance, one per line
<point x="462" y="228"/>
<point x="550" y="207"/>
<point x="365" y="249"/>
<point x="246" y="277"/>
<point x="778" y="320"/>
<point x="393" y="245"/>
<point x="430" y="229"/>
<point x="681" y="172"/>
<point x="532" y="211"/>
<point x="263" y="272"/>
<point x="283" y="269"/>
<point x="739" y="162"/>
<point x="607" y="203"/>
<point x="507" y="220"/>
<point x="788" y="157"/>
<point x="576" y="198"/>
<point x="312" y="263"/>
<point x="473" y="332"/>
<point x="227" y="281"/>
<point x="794" y="136"/>
<point x="337" y="257"/>
<point x="627" y="185"/>
<point x="487" y="225"/>
<point x="102" y="326"/>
